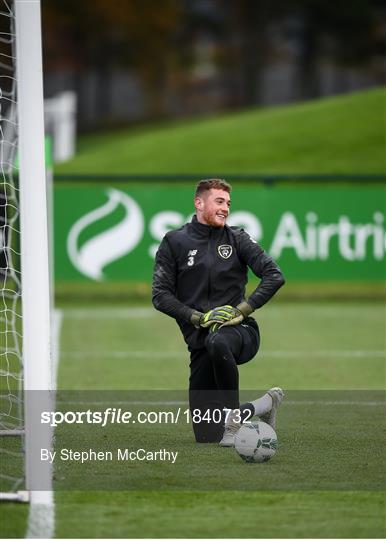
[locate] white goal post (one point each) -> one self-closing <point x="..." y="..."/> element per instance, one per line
<point x="34" y="246"/>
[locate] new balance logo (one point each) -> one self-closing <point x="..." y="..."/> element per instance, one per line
<point x="191" y="254"/>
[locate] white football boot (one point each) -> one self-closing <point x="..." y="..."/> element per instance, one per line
<point x="230" y="429"/>
<point x="270" y="417"/>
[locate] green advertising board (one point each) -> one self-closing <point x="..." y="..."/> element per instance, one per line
<point x="321" y="232"/>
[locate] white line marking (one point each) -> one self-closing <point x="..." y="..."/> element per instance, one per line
<point x="106" y="313"/>
<point x="376" y="353"/>
<point x="299" y="403"/>
<point x="41" y="516"/>
<point x="328" y="312"/>
<point x="122" y="354"/>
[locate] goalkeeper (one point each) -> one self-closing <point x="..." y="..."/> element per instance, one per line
<point x="200" y="275"/>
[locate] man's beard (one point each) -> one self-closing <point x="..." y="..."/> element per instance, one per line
<point x="210" y="219"/>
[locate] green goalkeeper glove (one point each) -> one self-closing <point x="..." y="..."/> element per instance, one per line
<point x="219" y="314"/>
<point x="216" y="326"/>
<point x="241" y="312"/>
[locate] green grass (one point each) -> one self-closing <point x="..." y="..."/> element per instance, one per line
<point x="123" y="292"/>
<point x="224" y="514"/>
<point x="344" y="134"/>
<point x="293" y="334"/>
<point x="309" y="444"/>
<point x="327" y="479"/>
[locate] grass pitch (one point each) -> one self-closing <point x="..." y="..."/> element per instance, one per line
<point x="327" y="479"/>
<point x="343" y="134"/>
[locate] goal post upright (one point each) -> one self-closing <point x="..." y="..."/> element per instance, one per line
<point x="34" y="232"/>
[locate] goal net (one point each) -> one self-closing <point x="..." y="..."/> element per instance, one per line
<point x="11" y="363"/>
<point x="24" y="269"/>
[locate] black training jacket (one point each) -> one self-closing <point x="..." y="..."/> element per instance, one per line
<point x="199" y="267"/>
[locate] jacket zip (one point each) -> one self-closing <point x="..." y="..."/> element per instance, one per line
<point x="209" y="254"/>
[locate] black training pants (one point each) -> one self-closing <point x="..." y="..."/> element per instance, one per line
<point x="214" y="377"/>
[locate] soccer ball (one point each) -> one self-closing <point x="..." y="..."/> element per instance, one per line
<point x="256" y="442"/>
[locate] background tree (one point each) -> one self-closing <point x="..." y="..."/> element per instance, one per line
<point x="134" y="34"/>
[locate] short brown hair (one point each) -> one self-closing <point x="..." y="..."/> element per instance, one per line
<point x="212" y="183"/>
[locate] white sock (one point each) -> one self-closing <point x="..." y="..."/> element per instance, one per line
<point x="262" y="405"/>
